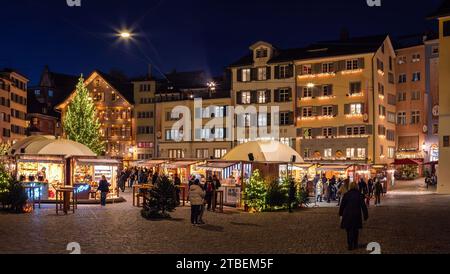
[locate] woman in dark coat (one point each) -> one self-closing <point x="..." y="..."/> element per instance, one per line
<point x="352" y="210"/>
<point x="103" y="187"/>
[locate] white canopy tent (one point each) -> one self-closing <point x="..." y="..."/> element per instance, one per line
<point x="49" y="145"/>
<point x="264" y="151"/>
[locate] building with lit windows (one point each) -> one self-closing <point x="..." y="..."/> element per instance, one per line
<point x="345" y="101"/>
<point x="13" y="106"/>
<point x="114" y="102"/>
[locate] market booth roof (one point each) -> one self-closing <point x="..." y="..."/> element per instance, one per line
<point x="49" y="145"/>
<point x="263" y="151"/>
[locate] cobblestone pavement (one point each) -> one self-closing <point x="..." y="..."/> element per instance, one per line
<point x="403" y="224"/>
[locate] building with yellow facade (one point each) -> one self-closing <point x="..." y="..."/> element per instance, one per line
<point x="346" y="101"/>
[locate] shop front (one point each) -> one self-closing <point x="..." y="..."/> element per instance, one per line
<point x="184" y="169"/>
<point x="87" y="173"/>
<point x="45" y="172"/>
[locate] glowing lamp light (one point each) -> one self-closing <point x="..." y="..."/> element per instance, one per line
<point x="125" y="35"/>
<point x="310" y="85"/>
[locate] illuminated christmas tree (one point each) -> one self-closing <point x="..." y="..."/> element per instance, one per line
<point x="255" y="192"/>
<point x="81" y="123"/>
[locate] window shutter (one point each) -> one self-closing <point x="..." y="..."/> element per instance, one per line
<point x="369" y="129"/>
<point x="290" y="94"/>
<point x="316" y="91"/>
<point x="334" y="131"/>
<point x="316" y="111"/>
<point x="299" y="92"/>
<point x="342" y="65"/>
<point x="299" y="111"/>
<point x="268" y="96"/>
<point x="198" y="133"/>
<point x="361" y="63"/>
<point x="225" y="111"/>
<point x="290" y="71"/>
<point x="342" y="131"/>
<point x="277" y="72"/>
<point x="315" y="132"/>
<point x="239" y="97"/>
<point x="269" y="73"/>
<point x="239" y="75"/>
<point x="299" y="69"/>
<point x="254" y="120"/>
<point x="269" y="119"/>
<point x="277" y="96"/>
<point x="317" y="68"/>
<point x="300" y="132"/>
<point x="254" y="97"/>
<point x="291" y="118"/>
<point x="347" y="109"/>
<point x="337" y="66"/>
<point x="363" y="110"/>
<point x="330" y="87"/>
<point x="335" y="110"/>
<point x="254" y="74"/>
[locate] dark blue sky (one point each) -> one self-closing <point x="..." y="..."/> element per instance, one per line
<point x="183" y="34"/>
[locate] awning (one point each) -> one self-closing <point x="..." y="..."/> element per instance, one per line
<point x="99" y="162"/>
<point x="303" y="166"/>
<point x="41" y="159"/>
<point x="333" y="168"/>
<point x="216" y="166"/>
<point x="431" y="163"/>
<point x="151" y="163"/>
<point x="405" y="162"/>
<point x="180" y="164"/>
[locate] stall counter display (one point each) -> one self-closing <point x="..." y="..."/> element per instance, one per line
<point x="47" y="176"/>
<point x="232" y="192"/>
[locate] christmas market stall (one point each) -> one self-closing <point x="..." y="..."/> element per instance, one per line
<point x="183" y="168"/>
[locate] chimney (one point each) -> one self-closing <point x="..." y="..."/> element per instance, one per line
<point x="345" y="34"/>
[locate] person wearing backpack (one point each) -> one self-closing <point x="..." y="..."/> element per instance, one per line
<point x="209" y="188"/>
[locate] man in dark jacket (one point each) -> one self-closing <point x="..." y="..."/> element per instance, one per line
<point x="352" y="210"/>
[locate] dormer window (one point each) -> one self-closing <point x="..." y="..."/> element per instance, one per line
<point x="262" y="53"/>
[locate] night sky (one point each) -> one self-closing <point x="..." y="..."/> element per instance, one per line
<point x="183" y="34"/>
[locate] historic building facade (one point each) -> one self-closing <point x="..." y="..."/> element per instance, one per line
<point x="113" y="99"/>
<point x="346" y="101"/>
<point x="265" y="78"/>
<point x="412" y="110"/>
<point x="13" y="106"/>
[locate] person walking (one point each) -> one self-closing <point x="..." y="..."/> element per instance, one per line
<point x="352" y="210"/>
<point x="209" y="188"/>
<point x="342" y="190"/>
<point x="292" y="192"/>
<point x="378" y="192"/>
<point x="319" y="191"/>
<point x="122" y="180"/>
<point x="103" y="187"/>
<point x="177" y="183"/>
<point x="370" y="185"/>
<point x="196" y="197"/>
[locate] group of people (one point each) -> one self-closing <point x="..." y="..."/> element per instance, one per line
<point x="135" y="175"/>
<point x="334" y="189"/>
<point x="431" y="180"/>
<point x="201" y="196"/>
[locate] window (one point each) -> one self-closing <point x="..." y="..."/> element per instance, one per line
<point x="307" y="69"/>
<point x="356" y="109"/>
<point x="327" y="90"/>
<point x="415" y="58"/>
<point x="50" y="93"/>
<point x="416" y="77"/>
<point x="307" y="112"/>
<point x="401" y="118"/>
<point x="262" y="119"/>
<point x="306" y="153"/>
<point x="284" y="95"/>
<point x="352" y="64"/>
<point x="307" y="92"/>
<point x="246" y="97"/>
<point x="202" y="153"/>
<point x="350" y="152"/>
<point x="435" y="129"/>
<point x="247" y="120"/>
<point x="391" y="78"/>
<point x="176" y="153"/>
<point x="37" y="92"/>
<point x="401" y="96"/>
<point x="402" y="78"/>
<point x="390" y="136"/>
<point x="219" y="153"/>
<point x="327" y="67"/>
<point x="380" y="65"/>
<point x="172" y="134"/>
<point x="435" y="50"/>
<point x="284" y="118"/>
<point x="205" y="133"/>
<point x="391" y="152"/>
<point x="357" y="130"/>
<point x="355" y="88"/>
<point x="361" y="153"/>
<point x="219" y="112"/>
<point x="307" y="133"/>
<point x="380" y="89"/>
<point x="114" y="97"/>
<point x="415" y="95"/>
<point x="446" y="141"/>
<point x="382" y="110"/>
<point x="402" y="60"/>
<point x="261" y="53"/>
<point x="262" y="74"/>
<point x="381" y="150"/>
<point x="327" y="111"/>
<point x="391" y="117"/>
<point x="246" y="75"/>
<point x="328" y="153"/>
<point x="219" y="133"/>
<point x="283" y="72"/>
<point x="286" y="141"/>
<point x="262" y="97"/>
<point x="327" y="132"/>
<point x="415" y="117"/>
